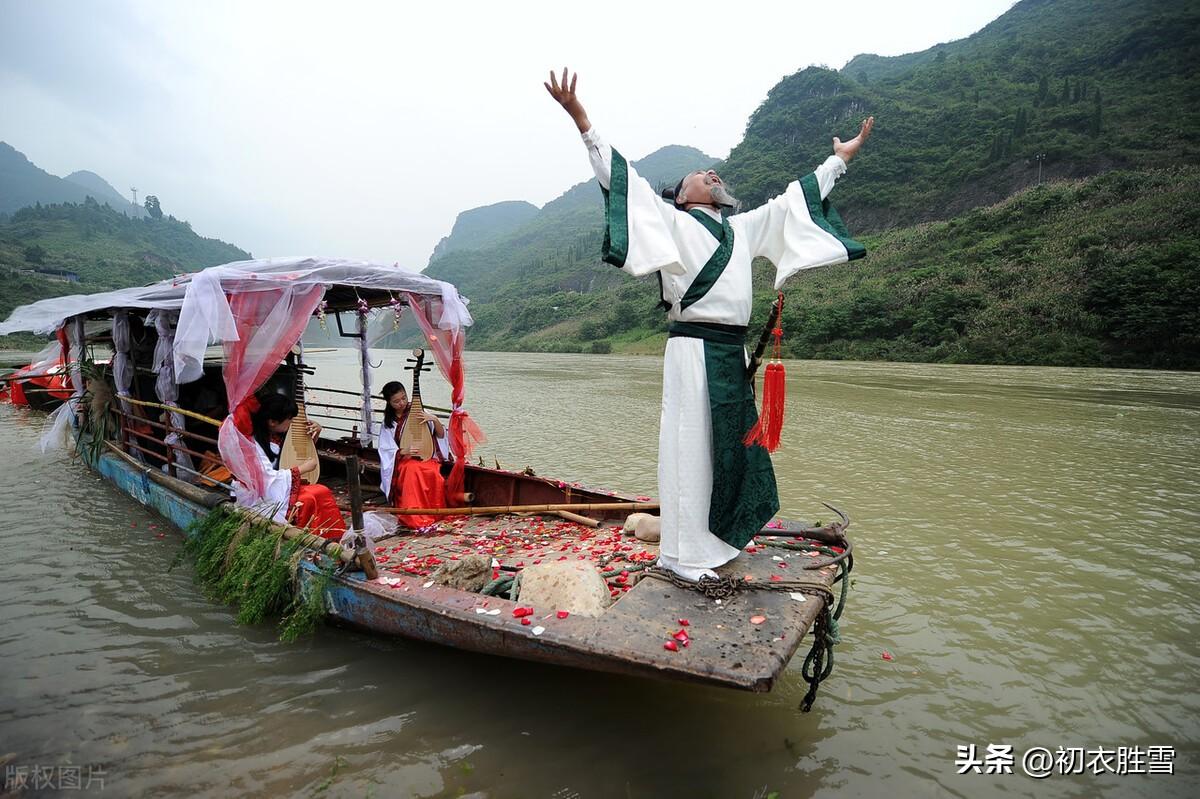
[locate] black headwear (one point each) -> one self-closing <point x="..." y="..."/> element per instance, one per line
<point x="670" y="194"/>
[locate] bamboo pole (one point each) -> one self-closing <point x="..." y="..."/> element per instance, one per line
<point x="497" y="509"/>
<point x="575" y="517"/>
<point x="198" y="416"/>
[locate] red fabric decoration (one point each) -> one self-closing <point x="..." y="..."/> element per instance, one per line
<point x="769" y="427"/>
<point x="242" y="415"/>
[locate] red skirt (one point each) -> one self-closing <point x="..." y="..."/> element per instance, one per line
<point x="418" y="484"/>
<point x="318" y="511"/>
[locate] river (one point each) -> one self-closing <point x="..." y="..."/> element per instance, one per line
<point x="1026" y="546"/>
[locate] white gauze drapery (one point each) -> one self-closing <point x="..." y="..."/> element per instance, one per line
<point x="122" y="371"/>
<point x="165" y="387"/>
<point x="57" y="427"/>
<point x="258" y="323"/>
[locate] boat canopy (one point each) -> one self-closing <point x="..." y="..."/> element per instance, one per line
<point x="258" y="311"/>
<point x="46" y="316"/>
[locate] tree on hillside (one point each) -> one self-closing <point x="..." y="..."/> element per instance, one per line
<point x="34" y="254"/>
<point x="152" y="207"/>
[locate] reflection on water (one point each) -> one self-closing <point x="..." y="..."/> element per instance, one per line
<point x="1028" y="550"/>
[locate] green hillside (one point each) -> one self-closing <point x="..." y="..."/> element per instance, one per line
<point x="1097" y="272"/>
<point x="105" y="249"/>
<point x="1091" y="85"/>
<point x="1083" y="270"/>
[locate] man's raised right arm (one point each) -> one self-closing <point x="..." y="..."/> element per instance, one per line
<point x="599" y="152"/>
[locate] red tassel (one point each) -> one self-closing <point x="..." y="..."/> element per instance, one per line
<point x="768" y="430"/>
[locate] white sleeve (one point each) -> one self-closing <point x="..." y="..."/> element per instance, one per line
<point x="600" y="154"/>
<point x="387" y="457"/>
<point x="828" y="173"/>
<point x="761" y="226"/>
<point x="440" y="443"/>
<point x="279" y="482"/>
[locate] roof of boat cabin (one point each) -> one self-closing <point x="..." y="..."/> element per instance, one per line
<point x="346" y="281"/>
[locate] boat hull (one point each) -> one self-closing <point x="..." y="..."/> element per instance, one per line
<point x="726" y="648"/>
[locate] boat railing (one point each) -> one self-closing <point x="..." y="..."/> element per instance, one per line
<point x="329" y="412"/>
<point x="163" y="448"/>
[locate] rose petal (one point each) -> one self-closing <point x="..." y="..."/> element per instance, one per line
<point x="562" y="614"/>
<point x="683" y="622"/>
<point x="775" y="578"/>
<point x="887" y="655"/>
<point x="757" y="619"/>
<point x="671" y="645"/>
<point x="680" y="636"/>
<point x="525" y="620"/>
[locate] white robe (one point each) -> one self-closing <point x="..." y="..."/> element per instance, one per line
<point x="387" y="453"/>
<point x="274" y="502"/>
<point x="665" y="239"/>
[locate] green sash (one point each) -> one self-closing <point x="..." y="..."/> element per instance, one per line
<point x="744" y="497"/>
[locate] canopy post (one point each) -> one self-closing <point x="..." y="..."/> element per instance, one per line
<point x="364" y="356"/>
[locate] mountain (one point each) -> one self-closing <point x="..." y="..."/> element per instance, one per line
<point x="970" y="258"/>
<point x="1061" y="88"/>
<point x="102" y="191"/>
<point x="23" y="184"/>
<point x="480" y="227"/>
<point x="558" y="248"/>
<point x="69" y="248"/>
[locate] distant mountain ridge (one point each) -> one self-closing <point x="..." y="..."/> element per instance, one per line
<point x="566" y="231"/>
<point x="479" y="227"/>
<point x="22" y="184"/>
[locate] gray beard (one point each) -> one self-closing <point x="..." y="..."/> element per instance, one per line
<point x="721" y="196"/>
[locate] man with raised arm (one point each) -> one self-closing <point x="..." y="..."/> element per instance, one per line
<point x="716" y="493"/>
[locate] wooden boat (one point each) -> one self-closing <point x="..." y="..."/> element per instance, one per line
<point x="738" y="633"/>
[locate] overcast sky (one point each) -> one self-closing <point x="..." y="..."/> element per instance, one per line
<point x="361" y="129"/>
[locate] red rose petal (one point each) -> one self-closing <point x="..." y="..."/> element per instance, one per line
<point x="680" y="636"/>
<point x="757" y="619"/>
<point x="887" y="655"/>
<point x="671" y="645"/>
<point x="775" y="578"/>
<point x="525" y="621"/>
<point x="683" y="622"/>
<point x="562" y="614"/>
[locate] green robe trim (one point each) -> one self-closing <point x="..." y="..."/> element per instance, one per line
<point x="616" y="213"/>
<point x="717" y="262"/>
<point x="744" y="497"/>
<point x="826" y="217"/>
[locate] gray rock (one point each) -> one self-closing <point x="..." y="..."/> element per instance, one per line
<point x="644" y="526"/>
<point x="573" y="586"/>
<point x="469" y="573"/>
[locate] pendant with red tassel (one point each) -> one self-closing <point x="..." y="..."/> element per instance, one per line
<point x="769" y="427"/>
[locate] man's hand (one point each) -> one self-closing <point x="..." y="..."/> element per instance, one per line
<point x="564" y="95"/>
<point x="847" y="150"/>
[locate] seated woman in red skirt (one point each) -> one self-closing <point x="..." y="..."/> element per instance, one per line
<point x="408" y="481"/>
<point x="317" y="509"/>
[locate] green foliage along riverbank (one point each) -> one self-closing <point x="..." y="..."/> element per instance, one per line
<point x="1096" y="272"/>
